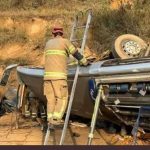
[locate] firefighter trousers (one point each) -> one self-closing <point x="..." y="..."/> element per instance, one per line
<point x="56" y="92"/>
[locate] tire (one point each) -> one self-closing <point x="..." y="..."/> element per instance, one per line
<point x="128" y="46"/>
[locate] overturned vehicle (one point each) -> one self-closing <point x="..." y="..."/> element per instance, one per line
<point x="126" y="85"/>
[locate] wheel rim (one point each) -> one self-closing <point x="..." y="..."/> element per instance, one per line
<point x="131" y="48"/>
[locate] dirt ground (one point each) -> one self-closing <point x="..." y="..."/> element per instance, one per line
<point x="29" y="133"/>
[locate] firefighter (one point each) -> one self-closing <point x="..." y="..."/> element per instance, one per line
<point x="55" y="76"/>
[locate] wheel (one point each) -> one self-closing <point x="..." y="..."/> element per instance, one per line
<point x="128" y="46"/>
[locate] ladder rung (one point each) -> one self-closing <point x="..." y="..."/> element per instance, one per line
<point x="80" y="27"/>
<point x="74" y="40"/>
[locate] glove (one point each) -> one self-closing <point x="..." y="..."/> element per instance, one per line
<point x="84" y="62"/>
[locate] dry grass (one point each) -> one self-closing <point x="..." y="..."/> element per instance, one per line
<point x="107" y="24"/>
<point x="21" y="61"/>
<point x="10" y="36"/>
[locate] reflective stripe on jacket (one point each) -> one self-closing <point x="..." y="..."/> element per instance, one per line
<point x="56" y="52"/>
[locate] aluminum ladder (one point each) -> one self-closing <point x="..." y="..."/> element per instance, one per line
<point x="72" y="39"/>
<point x="95" y="113"/>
